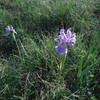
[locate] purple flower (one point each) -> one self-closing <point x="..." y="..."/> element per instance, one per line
<point x="65" y="39"/>
<point x="61" y="49"/>
<point x="9" y="29"/>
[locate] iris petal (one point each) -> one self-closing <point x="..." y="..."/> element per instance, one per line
<point x="60" y="49"/>
<point x="62" y="31"/>
<point x="69" y="33"/>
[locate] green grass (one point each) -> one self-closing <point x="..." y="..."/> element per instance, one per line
<point x="46" y="15"/>
<point x="30" y="69"/>
<point x="38" y="75"/>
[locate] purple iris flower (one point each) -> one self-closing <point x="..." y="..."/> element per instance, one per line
<point x="61" y="49"/>
<point x="65" y="39"/>
<point x="9" y="29"/>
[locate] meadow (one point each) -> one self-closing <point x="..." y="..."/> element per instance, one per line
<point x="31" y="68"/>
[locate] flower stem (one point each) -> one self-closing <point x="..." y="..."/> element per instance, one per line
<point x="62" y="64"/>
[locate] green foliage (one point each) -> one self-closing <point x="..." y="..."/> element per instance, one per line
<point x="30" y="69"/>
<point x="38" y="75"/>
<point x="46" y="15"/>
